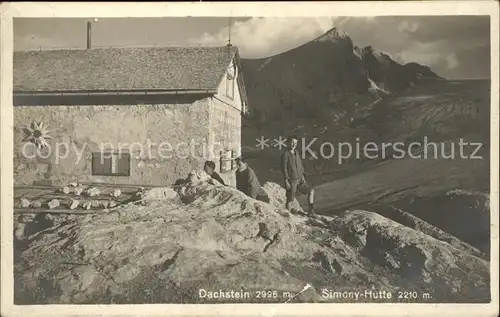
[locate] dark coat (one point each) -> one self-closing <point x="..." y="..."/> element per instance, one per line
<point x="291" y="165"/>
<point x="248" y="183"/>
<point x="217" y="177"/>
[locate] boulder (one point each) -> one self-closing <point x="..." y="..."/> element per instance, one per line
<point x="277" y="194"/>
<point x="93" y="191"/>
<point x="87" y="205"/>
<point x="161" y="193"/>
<point x="74" y="204"/>
<point x="25" y="203"/>
<point x="66" y="190"/>
<point x="54" y="203"/>
<point x="19" y="231"/>
<point x="78" y="191"/>
<point x="96" y="204"/>
<point x="105" y="204"/>
<point x="36" y="204"/>
<point x="198" y="177"/>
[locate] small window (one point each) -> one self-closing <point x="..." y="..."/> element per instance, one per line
<point x="226" y="161"/>
<point x="111" y="164"/>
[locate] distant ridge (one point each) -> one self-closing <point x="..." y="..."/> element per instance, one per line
<point x="328" y="72"/>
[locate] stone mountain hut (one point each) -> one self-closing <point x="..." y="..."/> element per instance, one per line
<point x="125" y="115"/>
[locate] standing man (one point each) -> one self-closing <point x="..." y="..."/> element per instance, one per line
<point x="248" y="183"/>
<point x="293" y="172"/>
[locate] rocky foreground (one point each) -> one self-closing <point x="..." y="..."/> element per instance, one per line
<point x="179" y="246"/>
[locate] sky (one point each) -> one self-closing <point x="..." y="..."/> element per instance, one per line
<point x="455" y="47"/>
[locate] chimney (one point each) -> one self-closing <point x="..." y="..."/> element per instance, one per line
<point x="229" y="34"/>
<point x="89" y="35"/>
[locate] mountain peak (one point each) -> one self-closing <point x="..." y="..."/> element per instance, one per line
<point x="333" y="34"/>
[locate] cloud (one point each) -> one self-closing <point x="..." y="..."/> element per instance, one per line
<point x="473" y="63"/>
<point x="423" y="53"/>
<point x="452" y="46"/>
<point x="462" y="28"/>
<point x="259" y="37"/>
<point x="408" y="26"/>
<point x="452" y="60"/>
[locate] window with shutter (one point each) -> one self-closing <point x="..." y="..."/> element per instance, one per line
<point x="111" y="164"/>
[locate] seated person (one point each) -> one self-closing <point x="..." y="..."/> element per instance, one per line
<point x="248" y="183"/>
<point x="209" y="168"/>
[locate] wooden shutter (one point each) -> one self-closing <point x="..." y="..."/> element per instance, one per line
<point x="123" y="164"/>
<point x="101" y="164"/>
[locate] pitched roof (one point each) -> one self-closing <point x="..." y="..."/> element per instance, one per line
<point x="121" y="69"/>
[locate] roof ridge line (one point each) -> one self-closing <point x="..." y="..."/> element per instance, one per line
<point x="117" y="48"/>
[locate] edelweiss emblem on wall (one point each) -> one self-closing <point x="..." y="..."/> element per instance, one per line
<point x="37" y="134"/>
